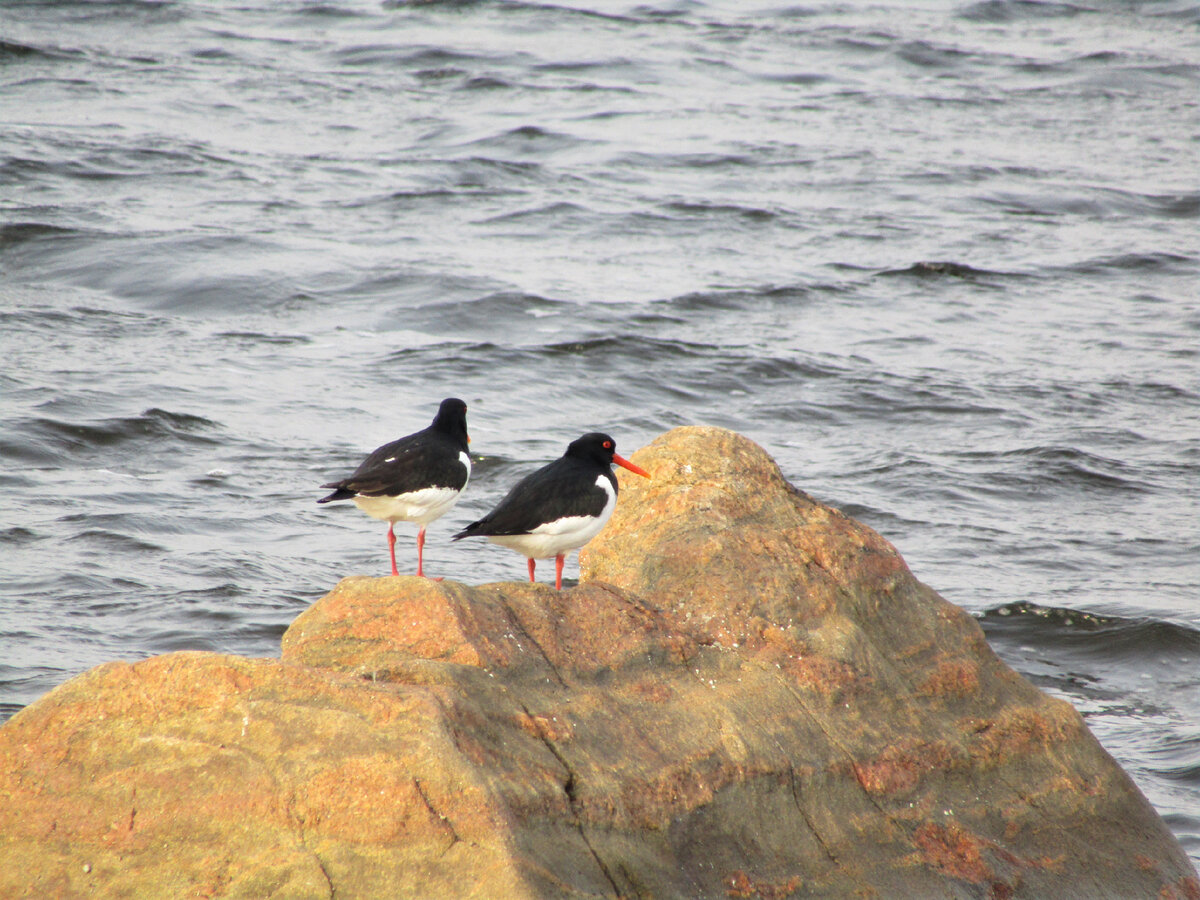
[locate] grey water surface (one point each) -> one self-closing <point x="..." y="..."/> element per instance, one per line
<point x="941" y="259"/>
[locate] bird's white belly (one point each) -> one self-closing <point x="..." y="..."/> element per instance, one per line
<point x="421" y="506"/>
<point x="568" y="533"/>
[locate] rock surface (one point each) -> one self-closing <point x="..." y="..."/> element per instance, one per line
<point x="748" y="695"/>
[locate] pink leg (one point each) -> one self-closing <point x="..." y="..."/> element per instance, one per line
<point x="421" y="555"/>
<point x="392" y="547"/>
<point x="558" y="564"/>
<point x="532" y="564"/>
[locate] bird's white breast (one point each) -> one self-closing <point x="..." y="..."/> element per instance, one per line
<point x="421" y="506"/>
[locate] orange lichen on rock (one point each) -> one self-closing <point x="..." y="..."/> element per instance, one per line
<point x="901" y="767"/>
<point x="739" y="884"/>
<point x="953" y="679"/>
<point x="1022" y="730"/>
<point x="1186" y="888"/>
<point x="955" y="851"/>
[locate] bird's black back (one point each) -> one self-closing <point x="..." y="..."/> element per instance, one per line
<point x="424" y="459"/>
<point x="565" y="487"/>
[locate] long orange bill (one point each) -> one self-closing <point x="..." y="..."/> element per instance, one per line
<point x="626" y="464"/>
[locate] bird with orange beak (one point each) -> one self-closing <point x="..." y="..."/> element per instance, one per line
<point x="560" y="507"/>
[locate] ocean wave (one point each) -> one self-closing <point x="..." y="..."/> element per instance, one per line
<point x="752" y="214"/>
<point x="19" y="535"/>
<point x="526" y="140"/>
<point x="642" y="159"/>
<point x="318" y="10"/>
<point x="790" y="296"/>
<point x="1021" y="10"/>
<point x="1135" y="262"/>
<point x="486" y="83"/>
<point x="16" y="51"/>
<point x="172" y="271"/>
<point x="628" y="346"/>
<point x="115" y="542"/>
<point x="1058" y="468"/>
<point x="946" y="269"/>
<point x="928" y="55"/>
<point x="402" y="55"/>
<point x="45" y="441"/>
<point x="434" y="4"/>
<point x="258" y="338"/>
<point x="1098" y="202"/>
<point x="474" y="174"/>
<point x="1095" y="634"/>
<point x="602" y="351"/>
<point x="149" y="12"/>
<point x="97" y="162"/>
<point x="559" y="214"/>
<point x="1176" y="756"/>
<point x="17" y="234"/>
<point x="465" y="357"/>
<point x="478" y="316"/>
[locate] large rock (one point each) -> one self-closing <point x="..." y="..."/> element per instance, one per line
<point x="749" y="695"/>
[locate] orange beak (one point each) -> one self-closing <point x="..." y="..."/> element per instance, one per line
<point x="626" y="464"/>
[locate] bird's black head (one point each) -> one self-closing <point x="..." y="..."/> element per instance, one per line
<point x="451" y="418"/>
<point x="599" y="448"/>
<point x="595" y="446"/>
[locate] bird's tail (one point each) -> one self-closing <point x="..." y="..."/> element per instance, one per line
<point x="470" y="530"/>
<point x="340" y="494"/>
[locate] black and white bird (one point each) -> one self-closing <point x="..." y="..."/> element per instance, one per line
<point x="560" y="507"/>
<point x="414" y="479"/>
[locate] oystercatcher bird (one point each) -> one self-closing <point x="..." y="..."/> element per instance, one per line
<point x="560" y="507"/>
<point x="415" y="479"/>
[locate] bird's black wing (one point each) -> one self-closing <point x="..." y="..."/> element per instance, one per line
<point x="422" y="460"/>
<point x="562" y="488"/>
